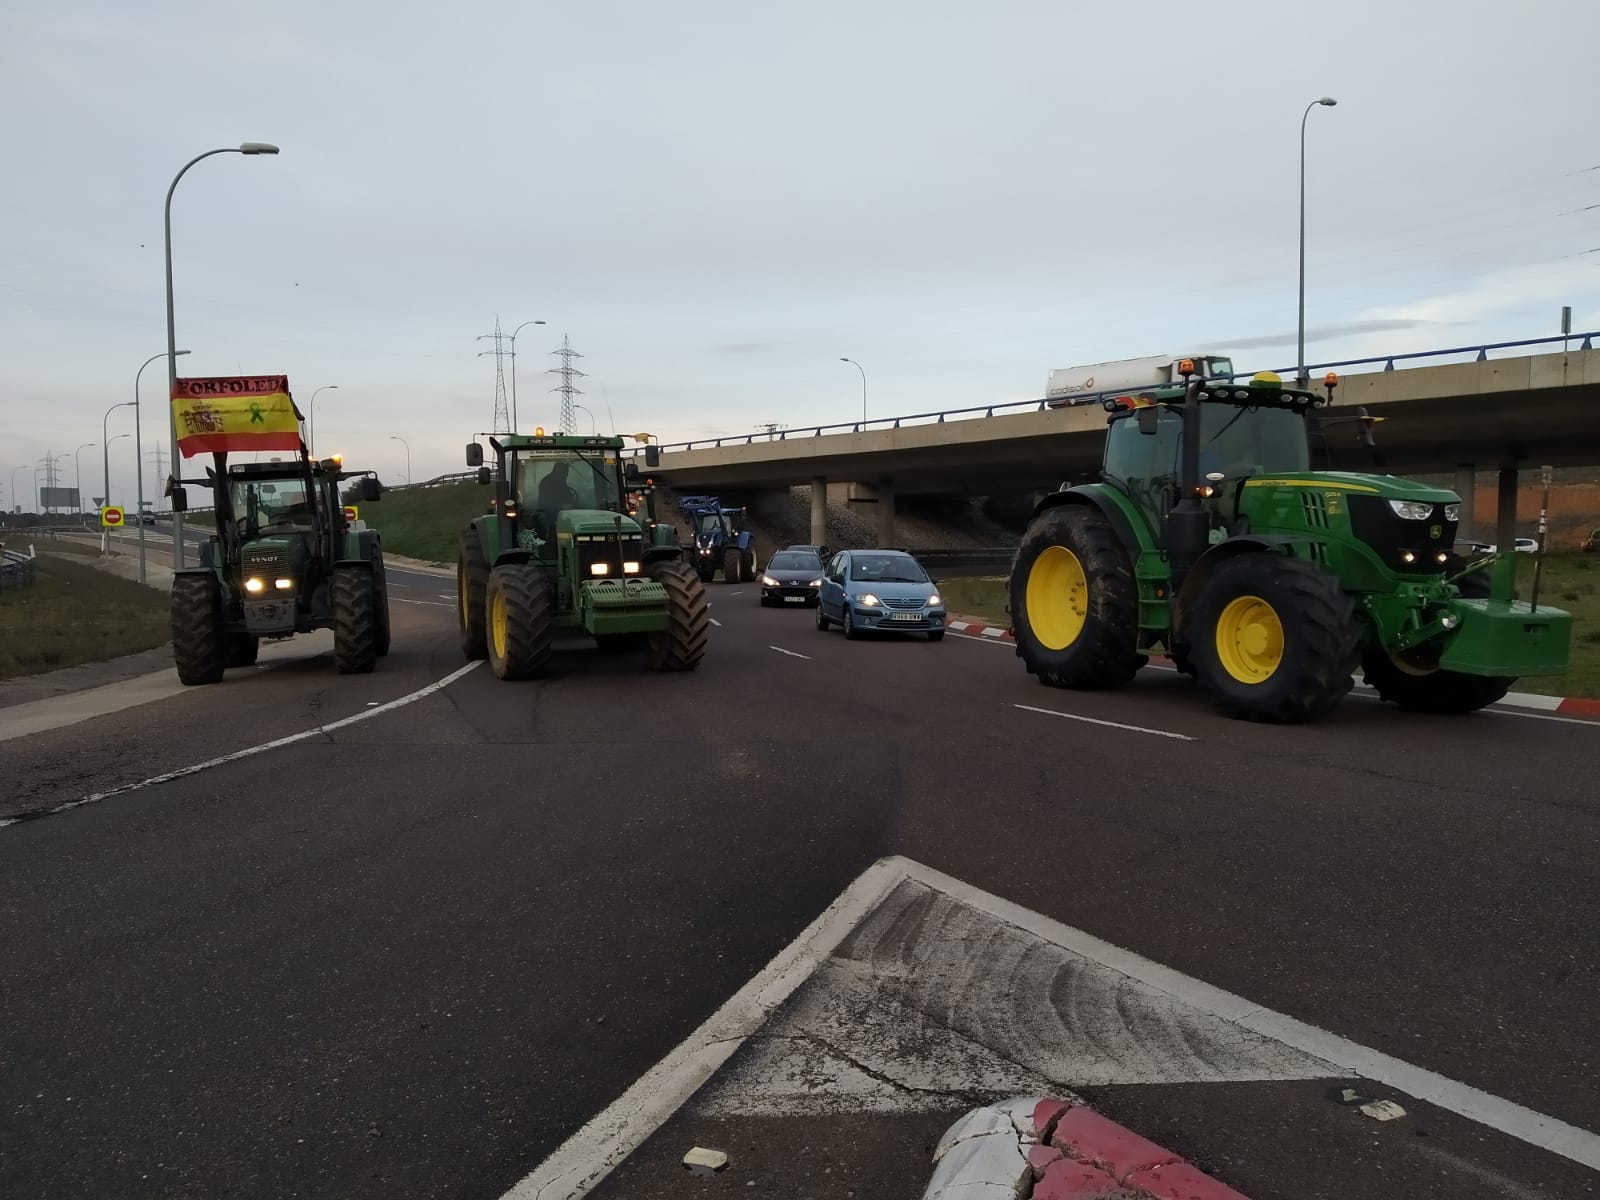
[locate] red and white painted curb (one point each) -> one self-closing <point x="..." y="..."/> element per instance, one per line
<point x="1050" y="1149"/>
<point x="1572" y="706"/>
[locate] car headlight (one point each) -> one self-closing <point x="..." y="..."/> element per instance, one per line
<point x="768" y="581"/>
<point x="816" y="583"/>
<point x="599" y="568"/>
<point x="255" y="586"/>
<point x="283" y="585"/>
<point x="1452" y="512"/>
<point x="630" y="568"/>
<point x="1411" y="510"/>
<point x="867" y="600"/>
<point x="934" y="600"/>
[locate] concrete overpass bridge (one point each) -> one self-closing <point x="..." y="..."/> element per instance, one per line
<point x="1539" y="406"/>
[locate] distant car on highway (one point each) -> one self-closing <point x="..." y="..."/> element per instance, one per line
<point x="879" y="589"/>
<point x="1521" y="546"/>
<point x="793" y="576"/>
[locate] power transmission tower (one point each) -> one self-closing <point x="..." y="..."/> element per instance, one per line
<point x="568" y="372"/>
<point x="770" y="428"/>
<point x="502" y="413"/>
<point x="156" y="454"/>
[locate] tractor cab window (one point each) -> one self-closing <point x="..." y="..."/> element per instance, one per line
<point x="1141" y="462"/>
<point x="1241" y="442"/>
<point x="552" y="485"/>
<point x="710" y="523"/>
<point x="272" y="505"/>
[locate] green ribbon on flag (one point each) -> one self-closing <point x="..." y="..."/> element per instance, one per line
<point x="255" y="415"/>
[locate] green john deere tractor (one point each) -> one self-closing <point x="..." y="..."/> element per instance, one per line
<point x="284" y="560"/>
<point x="559" y="550"/>
<point x="1272" y="583"/>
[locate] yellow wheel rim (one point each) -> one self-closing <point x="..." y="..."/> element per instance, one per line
<point x="1057" y="598"/>
<point x="1249" y="639"/>
<point x="497" y="622"/>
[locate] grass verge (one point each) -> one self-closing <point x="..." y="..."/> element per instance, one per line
<point x="73" y="614"/>
<point x="1571" y="582"/>
<point x="426" y="522"/>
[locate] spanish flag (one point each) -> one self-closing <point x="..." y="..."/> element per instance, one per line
<point x="247" y="412"/>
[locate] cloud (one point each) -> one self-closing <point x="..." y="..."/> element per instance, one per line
<point x="1325" y="333"/>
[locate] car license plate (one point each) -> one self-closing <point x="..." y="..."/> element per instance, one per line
<point x="905" y="616"/>
<point x="794" y="599"/>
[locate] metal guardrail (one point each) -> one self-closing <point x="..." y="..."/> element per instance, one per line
<point x="16" y="570"/>
<point x="983" y="558"/>
<point x="1041" y="404"/>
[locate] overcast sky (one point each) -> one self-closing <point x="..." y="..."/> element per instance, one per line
<point x="716" y="199"/>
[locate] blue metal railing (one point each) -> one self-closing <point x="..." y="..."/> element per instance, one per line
<point x="938" y="417"/>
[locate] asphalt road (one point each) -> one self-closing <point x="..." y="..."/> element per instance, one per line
<point x="409" y="956"/>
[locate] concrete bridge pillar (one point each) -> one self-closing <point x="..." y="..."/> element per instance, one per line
<point x="819" y="511"/>
<point x="1466" y="488"/>
<point x="885" y="513"/>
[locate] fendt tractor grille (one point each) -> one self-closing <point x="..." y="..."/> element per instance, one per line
<point x="264" y="562"/>
<point x="1316" y="508"/>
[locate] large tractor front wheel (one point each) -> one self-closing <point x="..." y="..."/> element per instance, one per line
<point x="1273" y="638"/>
<point x="355" y="621"/>
<point x="682" y="644"/>
<point x="198" y="644"/>
<point x="747" y="566"/>
<point x="732" y="565"/>
<point x="1415" y="682"/>
<point x="472" y="586"/>
<point x="242" y="650"/>
<point x="521" y="622"/>
<point x="1074" y="606"/>
<point x="380" y="601"/>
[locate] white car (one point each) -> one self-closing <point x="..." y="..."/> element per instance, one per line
<point x="1521" y="546"/>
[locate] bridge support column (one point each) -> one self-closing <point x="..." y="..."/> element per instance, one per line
<point x="819" y="511"/>
<point x="1506" y="525"/>
<point x="1466" y="488"/>
<point x="885" y="513"/>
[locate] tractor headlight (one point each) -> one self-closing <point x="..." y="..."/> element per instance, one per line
<point x="705" y="549"/>
<point x="867" y="600"/>
<point x="283" y="585"/>
<point x="1450" y="620"/>
<point x="1452" y="512"/>
<point x="630" y="568"/>
<point x="768" y="581"/>
<point x="1411" y="510"/>
<point x="934" y="601"/>
<point x="255" y="586"/>
<point x="599" y="568"/>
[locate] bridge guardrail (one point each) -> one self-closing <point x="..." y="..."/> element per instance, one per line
<point x="1041" y="404"/>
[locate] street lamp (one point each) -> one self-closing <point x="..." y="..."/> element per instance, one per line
<point x="107" y="449"/>
<point x="863" y="371"/>
<point x="1327" y="102"/>
<point x="592" y="427"/>
<point x="514" y="333"/>
<point x="248" y="148"/>
<point x="311" y="419"/>
<point x="77" y="471"/>
<point x="407" y="445"/>
<point x="138" y="453"/>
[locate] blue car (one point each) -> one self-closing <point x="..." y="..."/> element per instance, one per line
<point x="879" y="589"/>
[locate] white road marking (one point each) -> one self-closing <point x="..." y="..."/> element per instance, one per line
<point x="425" y="603"/>
<point x="716" y="622"/>
<point x="790" y="653"/>
<point x="446" y="596"/>
<point x="740" y="593"/>
<point x="590" y="1154"/>
<point x="1050" y="712"/>
<point x="314" y="731"/>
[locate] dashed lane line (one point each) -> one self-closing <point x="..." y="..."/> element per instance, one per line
<point x="790" y="653"/>
<point x="1050" y="712"/>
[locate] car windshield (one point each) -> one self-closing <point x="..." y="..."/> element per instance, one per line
<point x="272" y="505"/>
<point x="795" y="562"/>
<point x="886" y="568"/>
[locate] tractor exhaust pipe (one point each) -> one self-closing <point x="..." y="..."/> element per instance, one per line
<point x="1544" y="536"/>
<point x="1188" y="524"/>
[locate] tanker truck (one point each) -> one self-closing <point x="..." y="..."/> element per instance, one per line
<point x="1078" y="385"/>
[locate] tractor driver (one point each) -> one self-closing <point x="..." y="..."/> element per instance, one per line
<point x="554" y="494"/>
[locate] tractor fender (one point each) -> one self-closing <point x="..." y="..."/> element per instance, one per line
<point x="512" y="556"/>
<point x="654" y="554"/>
<point x="364" y="563"/>
<point x="1097" y="498"/>
<point x="1245" y="543"/>
<point x="744" y="540"/>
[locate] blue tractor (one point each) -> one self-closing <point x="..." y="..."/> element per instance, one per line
<point x="720" y="540"/>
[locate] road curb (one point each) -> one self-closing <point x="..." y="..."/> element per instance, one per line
<point x="419" y="565"/>
<point x="1052" y="1149"/>
<point x="1572" y="706"/>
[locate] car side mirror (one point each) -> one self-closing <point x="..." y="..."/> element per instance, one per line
<point x="630" y="470"/>
<point x="483" y="475"/>
<point x="371" y="489"/>
<point x="652" y="456"/>
<point x="474" y="454"/>
<point x="1147" y="418"/>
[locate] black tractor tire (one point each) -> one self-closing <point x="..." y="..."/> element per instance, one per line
<point x="732" y="565"/>
<point x="521" y="622"/>
<point x="472" y="589"/>
<point x="1417" y="688"/>
<point x="355" y="621"/>
<point x="682" y="644"/>
<point x="1071" y="558"/>
<point x="748" y="567"/>
<point x="380" y="600"/>
<point x="199" y="646"/>
<point x="1318" y="640"/>
<point x="706" y="571"/>
<point x="242" y="650"/>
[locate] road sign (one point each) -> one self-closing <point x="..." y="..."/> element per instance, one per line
<point x="352" y="513"/>
<point x="111" y="517"/>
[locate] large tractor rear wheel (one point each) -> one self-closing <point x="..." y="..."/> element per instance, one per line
<point x="1273" y="638"/>
<point x="472" y="589"/>
<point x="242" y="650"/>
<point x="380" y="601"/>
<point x="198" y="644"/>
<point x="1415" y="682"/>
<point x="521" y="622"/>
<point x="1074" y="606"/>
<point x="732" y="565"/>
<point x="682" y="644"/>
<point x="355" y="621"/>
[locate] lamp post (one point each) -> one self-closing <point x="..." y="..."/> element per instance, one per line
<point x="863" y="371"/>
<point x="248" y="148"/>
<point x="514" y="333"/>
<point x="107" y="448"/>
<point x="1300" y="362"/>
<point x="311" y="418"/>
<point x="138" y="453"/>
<point x="407" y="445"/>
<point x="77" y="471"/>
<point x="593" y="428"/>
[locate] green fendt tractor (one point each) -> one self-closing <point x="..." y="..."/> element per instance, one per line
<point x="1272" y="583"/>
<point x="558" y="550"/>
<point x="283" y="560"/>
